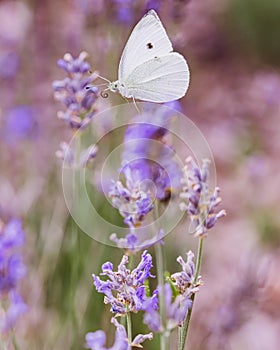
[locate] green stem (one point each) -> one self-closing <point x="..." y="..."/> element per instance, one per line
<point x="129" y="327"/>
<point x="75" y="244"/>
<point x="130" y="263"/>
<point x="14" y="341"/>
<point x="3" y="342"/>
<point x="3" y="345"/>
<point x="183" y="331"/>
<point x="164" y="337"/>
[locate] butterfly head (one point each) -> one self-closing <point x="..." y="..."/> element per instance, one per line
<point x="114" y="86"/>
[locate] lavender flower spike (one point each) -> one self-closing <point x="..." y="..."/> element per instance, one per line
<point x="133" y="203"/>
<point x="184" y="280"/>
<point x="125" y="289"/>
<point x="72" y="91"/>
<point x="140" y="338"/>
<point x="201" y="200"/>
<point x="66" y="154"/>
<point x="12" y="270"/>
<point x="96" y="340"/>
<point x="132" y="244"/>
<point x="176" y="310"/>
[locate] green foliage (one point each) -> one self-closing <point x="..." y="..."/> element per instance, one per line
<point x="268" y="228"/>
<point x="256" y="25"/>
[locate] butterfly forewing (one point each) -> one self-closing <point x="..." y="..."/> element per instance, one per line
<point x="147" y="40"/>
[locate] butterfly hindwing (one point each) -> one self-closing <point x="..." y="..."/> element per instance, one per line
<point x="161" y="79"/>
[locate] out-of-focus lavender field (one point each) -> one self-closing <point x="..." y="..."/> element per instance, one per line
<point x="233" y="51"/>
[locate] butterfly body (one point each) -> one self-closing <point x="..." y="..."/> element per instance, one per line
<point x="116" y="86"/>
<point x="149" y="70"/>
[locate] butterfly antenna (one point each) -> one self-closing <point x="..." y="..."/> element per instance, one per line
<point x="101" y="85"/>
<point x="104" y="94"/>
<point x="108" y="81"/>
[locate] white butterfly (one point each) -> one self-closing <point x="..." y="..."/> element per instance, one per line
<point x="149" y="70"/>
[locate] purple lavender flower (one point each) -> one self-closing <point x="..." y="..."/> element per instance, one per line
<point x="184" y="280"/>
<point x="87" y="155"/>
<point x="12" y="235"/>
<point x="123" y="11"/>
<point x="12" y="270"/>
<point x="9" y="65"/>
<point x="140" y="338"/>
<point x="175" y="308"/>
<point x="149" y="169"/>
<point x="146" y="156"/>
<point x="16" y="308"/>
<point x="96" y="340"/>
<point x="72" y="91"/>
<point x="132" y="244"/>
<point x="153" y="5"/>
<point x="125" y="289"/>
<point x="132" y="203"/>
<point x="11" y="266"/>
<point x="201" y="200"/>
<point x="152" y="317"/>
<point x="19" y="124"/>
<point x="67" y="155"/>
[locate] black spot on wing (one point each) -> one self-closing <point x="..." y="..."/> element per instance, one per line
<point x="150" y="46"/>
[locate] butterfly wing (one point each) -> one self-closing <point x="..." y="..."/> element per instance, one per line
<point x="161" y="79"/>
<point x="147" y="40"/>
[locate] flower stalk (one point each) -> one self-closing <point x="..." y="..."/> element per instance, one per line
<point x="183" y="331"/>
<point x="129" y="327"/>
<point x="164" y="338"/>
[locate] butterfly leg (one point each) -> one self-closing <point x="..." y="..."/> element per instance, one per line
<point x="135" y="104"/>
